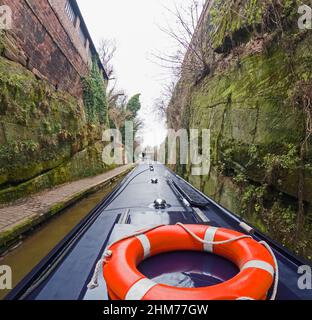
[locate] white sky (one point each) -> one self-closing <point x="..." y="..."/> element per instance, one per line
<point x="133" y="24"/>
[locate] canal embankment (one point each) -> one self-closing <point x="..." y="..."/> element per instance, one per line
<point x="26" y="254"/>
<point x="21" y="217"/>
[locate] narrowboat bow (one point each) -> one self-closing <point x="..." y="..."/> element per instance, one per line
<point x="146" y="241"/>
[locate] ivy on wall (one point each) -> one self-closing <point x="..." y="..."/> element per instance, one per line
<point x="94" y="96"/>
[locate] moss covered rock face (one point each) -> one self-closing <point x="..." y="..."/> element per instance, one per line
<point x="45" y="139"/>
<point x="257" y="103"/>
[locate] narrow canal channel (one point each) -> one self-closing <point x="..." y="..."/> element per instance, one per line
<point x="35" y="247"/>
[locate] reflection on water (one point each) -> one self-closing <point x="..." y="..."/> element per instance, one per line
<point x="23" y="259"/>
<point x="188" y="269"/>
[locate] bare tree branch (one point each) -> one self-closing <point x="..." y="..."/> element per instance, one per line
<point x="191" y="56"/>
<point x="119" y="116"/>
<point x="107" y="50"/>
<point x="161" y="104"/>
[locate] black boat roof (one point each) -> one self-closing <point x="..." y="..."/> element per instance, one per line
<point x="66" y="271"/>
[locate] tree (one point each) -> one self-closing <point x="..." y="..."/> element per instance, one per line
<point x="134" y="105"/>
<point x="119" y="117"/>
<point x="120" y="108"/>
<point x="161" y="103"/>
<point x="192" y="55"/>
<point x="116" y="98"/>
<point x="107" y="50"/>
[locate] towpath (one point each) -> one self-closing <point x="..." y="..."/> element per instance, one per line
<point x="25" y="212"/>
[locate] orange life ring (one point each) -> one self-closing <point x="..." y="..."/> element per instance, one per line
<point x="125" y="282"/>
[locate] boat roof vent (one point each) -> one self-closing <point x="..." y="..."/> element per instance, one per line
<point x="160" y="204"/>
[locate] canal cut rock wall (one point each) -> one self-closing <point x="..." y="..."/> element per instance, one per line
<point x="46" y="136"/>
<point x="255" y="97"/>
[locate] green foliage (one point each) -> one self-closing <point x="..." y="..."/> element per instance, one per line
<point x="252" y="199"/>
<point x="134" y="104"/>
<point x="9" y="151"/>
<point x="233" y="16"/>
<point x="253" y="153"/>
<point x="289" y="160"/>
<point x="281" y="222"/>
<point x="274" y="163"/>
<point x="240" y="179"/>
<point x="94" y="95"/>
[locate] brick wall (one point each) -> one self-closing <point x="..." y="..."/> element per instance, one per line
<point x="72" y="29"/>
<point x="47" y="43"/>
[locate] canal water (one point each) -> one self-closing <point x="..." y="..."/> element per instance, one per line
<point x="35" y="247"/>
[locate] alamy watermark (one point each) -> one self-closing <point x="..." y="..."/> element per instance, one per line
<point x="305" y="280"/>
<point x="192" y="145"/>
<point x="305" y="20"/>
<point x="5" y="18"/>
<point x="5" y="278"/>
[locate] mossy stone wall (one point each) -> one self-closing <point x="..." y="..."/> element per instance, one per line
<point x="45" y="138"/>
<point x="255" y="101"/>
